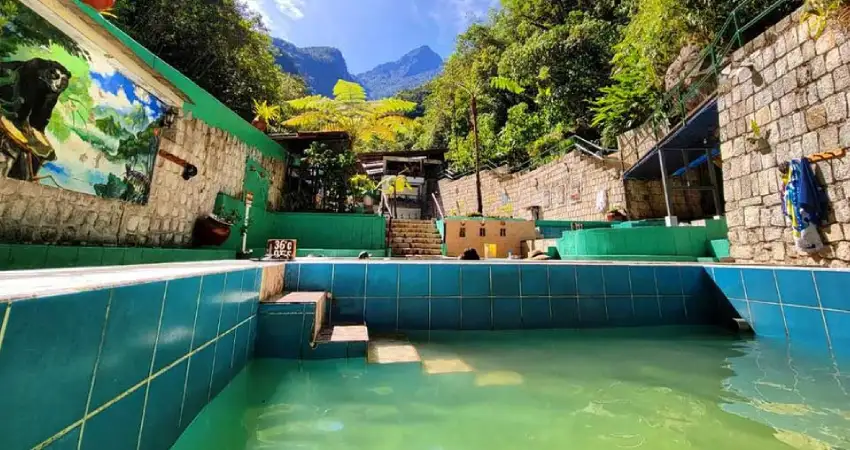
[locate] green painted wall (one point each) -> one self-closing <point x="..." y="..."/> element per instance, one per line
<point x="554" y="229"/>
<point x="689" y="242"/>
<point x="33" y="256"/>
<point x="330" y="231"/>
<point x="325" y="233"/>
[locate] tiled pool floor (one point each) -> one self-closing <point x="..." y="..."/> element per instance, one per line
<point x="602" y="389"/>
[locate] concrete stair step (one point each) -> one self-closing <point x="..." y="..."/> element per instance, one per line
<point x="392" y="350"/>
<point x="412" y="221"/>
<point x="415" y="230"/>
<point x="416" y="252"/>
<point x="410" y="235"/>
<point x="433" y="246"/>
<point x="343" y="333"/>
<point x="416" y="240"/>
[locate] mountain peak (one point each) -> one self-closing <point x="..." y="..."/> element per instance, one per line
<point x="412" y="70"/>
<point x="321" y="67"/>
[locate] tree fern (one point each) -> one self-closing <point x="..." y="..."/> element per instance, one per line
<point x="350" y="112"/>
<point x="347" y="91"/>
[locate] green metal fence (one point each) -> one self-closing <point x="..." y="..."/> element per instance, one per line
<point x="745" y="22"/>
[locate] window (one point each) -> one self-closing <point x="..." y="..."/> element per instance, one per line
<point x="503" y="232"/>
<point x="482" y="232"/>
<point x="463" y="232"/>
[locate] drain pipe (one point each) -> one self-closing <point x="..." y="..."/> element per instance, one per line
<point x="249" y="200"/>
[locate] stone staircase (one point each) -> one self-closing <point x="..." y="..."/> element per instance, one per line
<point x="415" y="238"/>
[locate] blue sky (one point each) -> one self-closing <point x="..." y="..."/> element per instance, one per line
<point x="371" y="32"/>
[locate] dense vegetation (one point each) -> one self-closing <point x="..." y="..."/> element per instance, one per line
<point x="538" y="71"/>
<point x="541" y="70"/>
<point x="220" y="45"/>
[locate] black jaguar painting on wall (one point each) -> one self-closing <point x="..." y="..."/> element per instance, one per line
<point x="68" y="118"/>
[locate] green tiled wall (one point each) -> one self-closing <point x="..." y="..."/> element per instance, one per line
<point x="24" y="256"/>
<point x="122" y="368"/>
<point x="691" y="242"/>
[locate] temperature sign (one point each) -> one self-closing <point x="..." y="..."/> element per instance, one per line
<point x="281" y="249"/>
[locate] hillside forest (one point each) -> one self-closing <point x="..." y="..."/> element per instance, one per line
<point x="539" y="70"/>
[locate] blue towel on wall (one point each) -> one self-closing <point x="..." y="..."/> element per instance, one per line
<point x="810" y="197"/>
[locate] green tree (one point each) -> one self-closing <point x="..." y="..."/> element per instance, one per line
<point x="335" y="169"/>
<point x="220" y="45"/>
<point x="349" y="111"/>
<point x="20" y="26"/>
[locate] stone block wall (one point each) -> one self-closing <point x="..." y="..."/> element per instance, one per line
<point x="637" y="142"/>
<point x="30" y="212"/>
<point x="798" y="93"/>
<point x="566" y="189"/>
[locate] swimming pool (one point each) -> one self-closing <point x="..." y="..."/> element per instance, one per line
<point x="129" y="357"/>
<point x="651" y="388"/>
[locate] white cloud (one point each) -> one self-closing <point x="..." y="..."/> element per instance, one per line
<point x="275" y="13"/>
<point x="466" y="12"/>
<point x="455" y="16"/>
<point x="142" y="95"/>
<point x="150" y="113"/>
<point x="294" y="9"/>
<point x="117" y="101"/>
<point x="254" y="5"/>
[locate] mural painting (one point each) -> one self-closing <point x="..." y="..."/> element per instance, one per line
<point x="68" y="118"/>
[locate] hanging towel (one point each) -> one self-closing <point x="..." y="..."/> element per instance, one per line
<point x="602" y="201"/>
<point x="811" y="198"/>
<point x="806" y="204"/>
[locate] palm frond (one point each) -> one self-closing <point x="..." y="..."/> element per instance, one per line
<point x="348" y="91"/>
<point x="392" y="106"/>
<point x="313" y="102"/>
<point x="506" y="84"/>
<point x="310" y="120"/>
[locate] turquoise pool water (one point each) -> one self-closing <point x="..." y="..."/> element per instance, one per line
<point x="601" y="389"/>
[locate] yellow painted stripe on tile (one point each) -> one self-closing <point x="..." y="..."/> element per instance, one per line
<point x="96" y="366"/>
<point x="4" y="324"/>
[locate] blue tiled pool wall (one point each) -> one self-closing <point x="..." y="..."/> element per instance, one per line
<point x="121" y="368"/>
<point x="806" y="306"/>
<point x="286" y="331"/>
<point x="478" y="296"/>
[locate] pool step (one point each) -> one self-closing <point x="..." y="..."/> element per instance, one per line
<point x="343" y="333"/>
<point x="340" y="341"/>
<point x="392" y="350"/>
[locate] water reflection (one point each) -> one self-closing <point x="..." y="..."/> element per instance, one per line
<point x="793" y="389"/>
<point x="607" y="389"/>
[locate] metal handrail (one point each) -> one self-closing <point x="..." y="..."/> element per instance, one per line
<point x="718" y="50"/>
<point x="439" y="208"/>
<point x="590" y="148"/>
<point x="385" y="204"/>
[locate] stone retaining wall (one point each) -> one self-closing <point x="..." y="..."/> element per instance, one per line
<point x="565" y="189"/>
<point x="798" y="93"/>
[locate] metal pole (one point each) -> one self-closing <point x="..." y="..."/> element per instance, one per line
<point x="477" y="155"/>
<point x="712" y="175"/>
<point x="665" y="183"/>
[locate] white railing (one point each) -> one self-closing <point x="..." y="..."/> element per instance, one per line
<point x="437" y="204"/>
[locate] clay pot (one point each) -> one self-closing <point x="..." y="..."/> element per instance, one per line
<point x="615" y="216"/>
<point x="210" y="231"/>
<point x="100" y="5"/>
<point x="260" y="124"/>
